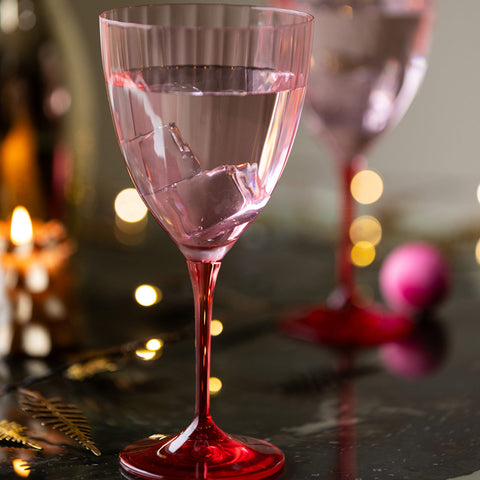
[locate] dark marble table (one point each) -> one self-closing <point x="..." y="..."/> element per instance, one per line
<point x="335" y="416"/>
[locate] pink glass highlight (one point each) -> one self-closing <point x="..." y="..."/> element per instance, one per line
<point x="206" y="101"/>
<point x="369" y="58"/>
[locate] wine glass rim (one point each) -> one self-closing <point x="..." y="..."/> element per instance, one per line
<point x="421" y="4"/>
<point x="308" y="18"/>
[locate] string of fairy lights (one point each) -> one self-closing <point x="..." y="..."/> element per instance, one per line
<point x="365" y="230"/>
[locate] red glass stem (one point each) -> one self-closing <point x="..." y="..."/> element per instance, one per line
<point x="203" y="276"/>
<point x="344" y="267"/>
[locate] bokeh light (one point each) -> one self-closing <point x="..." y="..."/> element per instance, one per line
<point x="216" y="328"/>
<point x="362" y="254"/>
<point x="60" y="101"/>
<point x="26" y="17"/>
<point x="36" y="278"/>
<point x="366" y="229"/>
<point x="9" y="18"/>
<point x="145" y="354"/>
<point x="154" y="344"/>
<point x="21" y="467"/>
<point x="477" y="252"/>
<point x="214" y="385"/>
<point x="148" y="295"/>
<point x="36" y="340"/>
<point x="129" y="206"/>
<point x="346" y="10"/>
<point x="366" y="187"/>
<point x="24" y="307"/>
<point x="54" y="307"/>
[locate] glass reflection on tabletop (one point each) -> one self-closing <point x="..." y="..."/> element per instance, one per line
<point x="416" y="357"/>
<point x="420" y="354"/>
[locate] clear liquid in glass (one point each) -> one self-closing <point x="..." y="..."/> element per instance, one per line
<point x="368" y="64"/>
<point x="205" y="146"/>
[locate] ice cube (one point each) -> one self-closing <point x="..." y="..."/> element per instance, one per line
<point x="160" y="158"/>
<point x="189" y="165"/>
<point x="248" y="183"/>
<point x="224" y="194"/>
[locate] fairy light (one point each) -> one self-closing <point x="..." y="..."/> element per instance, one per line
<point x="362" y="254"/>
<point x="214" y="385"/>
<point x="154" y="344"/>
<point x="366" y="187"/>
<point x="148" y="295"/>
<point x="216" y="328"/>
<point x="145" y="354"/>
<point x="151" y="350"/>
<point x="366" y="228"/>
<point x="21" y="467"/>
<point x="129" y="207"/>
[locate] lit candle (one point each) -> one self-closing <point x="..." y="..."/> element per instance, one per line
<point x="34" y="261"/>
<point x="21" y="232"/>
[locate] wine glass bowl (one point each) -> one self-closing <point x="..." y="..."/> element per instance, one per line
<point x="368" y="60"/>
<point x="205" y="101"/>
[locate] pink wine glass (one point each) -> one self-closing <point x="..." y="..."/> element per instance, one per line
<point x="206" y="101"/>
<point x="368" y="60"/>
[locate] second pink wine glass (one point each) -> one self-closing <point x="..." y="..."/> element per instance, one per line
<point x="368" y="60"/>
<point x="206" y="101"/>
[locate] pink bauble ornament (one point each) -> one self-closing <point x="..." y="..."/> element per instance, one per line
<point x="414" y="277"/>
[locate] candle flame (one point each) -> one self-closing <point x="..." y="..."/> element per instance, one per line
<point x="21" y="230"/>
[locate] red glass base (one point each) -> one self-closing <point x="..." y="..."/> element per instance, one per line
<point x="348" y="327"/>
<point x="202" y="452"/>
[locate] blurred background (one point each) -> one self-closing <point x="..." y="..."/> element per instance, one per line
<point x="428" y="163"/>
<point x="59" y="156"/>
<point x="92" y="261"/>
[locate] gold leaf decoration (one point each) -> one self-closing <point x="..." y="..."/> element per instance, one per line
<point x="14" y="432"/>
<point x="53" y="413"/>
<point x="81" y="371"/>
